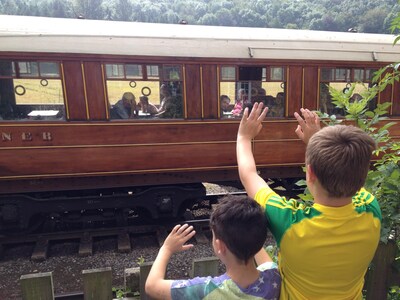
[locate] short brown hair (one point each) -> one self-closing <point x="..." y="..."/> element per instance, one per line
<point x="240" y="223"/>
<point x="340" y="158"/>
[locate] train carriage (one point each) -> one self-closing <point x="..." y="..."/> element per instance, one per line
<point x="66" y="149"/>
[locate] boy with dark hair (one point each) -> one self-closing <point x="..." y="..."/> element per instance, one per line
<point x="239" y="231"/>
<point x="325" y="249"/>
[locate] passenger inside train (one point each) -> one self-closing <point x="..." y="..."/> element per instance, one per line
<point x="240" y="101"/>
<point x="146" y="108"/>
<point x="170" y="103"/>
<point x="125" y="108"/>
<point x="276" y="107"/>
<point x="225" y="106"/>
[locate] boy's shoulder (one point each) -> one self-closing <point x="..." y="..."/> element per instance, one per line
<point x="220" y="287"/>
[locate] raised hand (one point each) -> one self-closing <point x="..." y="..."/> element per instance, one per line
<point x="180" y="234"/>
<point x="250" y="125"/>
<point x="308" y="125"/>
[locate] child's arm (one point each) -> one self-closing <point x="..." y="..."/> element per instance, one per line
<point x="307" y="126"/>
<point x="250" y="126"/>
<point x="156" y="286"/>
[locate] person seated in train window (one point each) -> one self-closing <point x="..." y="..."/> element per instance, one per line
<point x="146" y="107"/>
<point x="277" y="109"/>
<point x="326" y="105"/>
<point x="261" y="92"/>
<point x="239" y="103"/>
<point x="166" y="99"/>
<point x="125" y="108"/>
<point x="355" y="98"/>
<point x="171" y="105"/>
<point x="239" y="232"/>
<point x="225" y="106"/>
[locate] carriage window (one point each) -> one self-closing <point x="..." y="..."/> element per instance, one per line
<point x="341" y="79"/>
<point x="228" y="73"/>
<point x="242" y="86"/>
<point x="152" y="72"/>
<point x="28" y="69"/>
<point x="134" y="71"/>
<point x="138" y="91"/>
<point x="30" y="90"/>
<point x="359" y="75"/>
<point x="115" y="71"/>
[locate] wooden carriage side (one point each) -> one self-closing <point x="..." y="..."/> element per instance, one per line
<point x="88" y="149"/>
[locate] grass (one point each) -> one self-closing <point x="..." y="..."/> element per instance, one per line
<point x="37" y="94"/>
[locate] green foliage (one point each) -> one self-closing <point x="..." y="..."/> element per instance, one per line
<point x="394" y="293"/>
<point x="273" y="253"/>
<point x="383" y="179"/>
<point x="122" y="293"/>
<point x="140" y="260"/>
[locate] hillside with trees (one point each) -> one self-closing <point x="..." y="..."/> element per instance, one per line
<point x="332" y="15"/>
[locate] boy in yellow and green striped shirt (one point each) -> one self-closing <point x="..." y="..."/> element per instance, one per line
<point x="325" y="249"/>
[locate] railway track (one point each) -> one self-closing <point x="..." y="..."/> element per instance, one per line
<point x="124" y="235"/>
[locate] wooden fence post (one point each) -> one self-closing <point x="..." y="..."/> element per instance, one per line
<point x="144" y="273"/>
<point x="132" y="279"/>
<point x="377" y="279"/>
<point x="97" y="284"/>
<point x="205" y="267"/>
<point x="38" y="286"/>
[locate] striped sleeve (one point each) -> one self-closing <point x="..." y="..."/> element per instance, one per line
<point x="280" y="212"/>
<point x="365" y="201"/>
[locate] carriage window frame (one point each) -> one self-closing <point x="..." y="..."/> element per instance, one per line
<point x="365" y="78"/>
<point x="174" y="70"/>
<point x="353" y="75"/>
<point x="350" y="76"/>
<point x="35" y="109"/>
<point x="170" y="75"/>
<point x="273" y="75"/>
<point x="334" y="74"/>
<point x="160" y="75"/>
<point x="267" y="74"/>
<point x="16" y="73"/>
<point x="228" y="77"/>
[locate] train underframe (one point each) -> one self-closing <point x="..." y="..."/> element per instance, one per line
<point x="71" y="202"/>
<point x="21" y="213"/>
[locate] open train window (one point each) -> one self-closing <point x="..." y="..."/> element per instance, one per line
<point x="140" y="91"/>
<point x="250" y="73"/>
<point x="242" y="86"/>
<point x="30" y="91"/>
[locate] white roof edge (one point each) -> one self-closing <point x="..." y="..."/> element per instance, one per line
<point x="54" y="35"/>
<point x="31" y="25"/>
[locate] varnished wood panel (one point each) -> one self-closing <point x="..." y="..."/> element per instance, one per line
<point x="95" y="90"/>
<point x="396" y="99"/>
<point x="106" y="134"/>
<point x="294" y="89"/>
<point x="193" y="92"/>
<point x="107" y="160"/>
<point x="279" y="152"/>
<point x="210" y="91"/>
<point x="310" y="91"/>
<point x="110" y="134"/>
<point x="75" y="90"/>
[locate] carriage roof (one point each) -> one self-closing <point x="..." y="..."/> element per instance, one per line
<point x="56" y="35"/>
